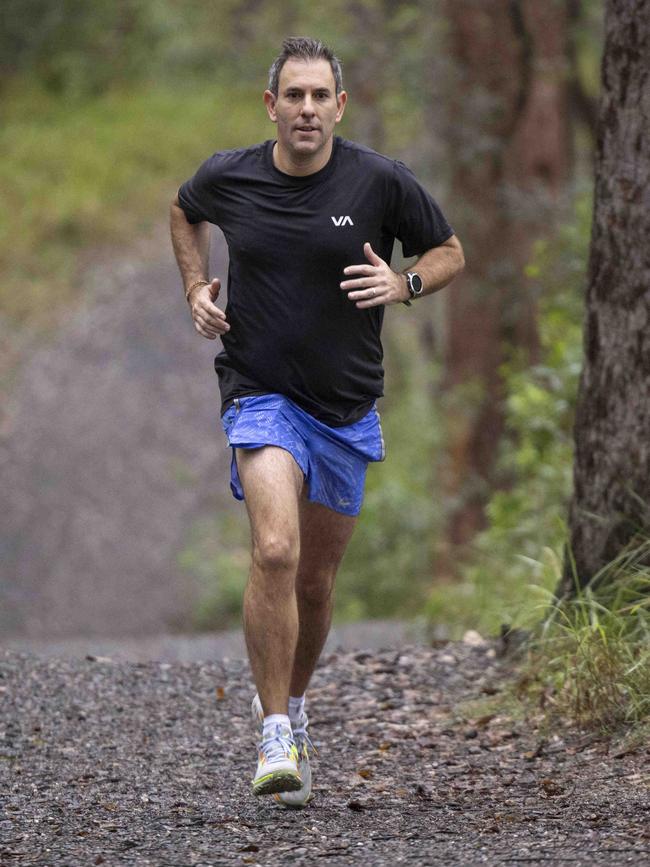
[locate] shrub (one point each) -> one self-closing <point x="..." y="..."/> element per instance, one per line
<point x="527" y="521"/>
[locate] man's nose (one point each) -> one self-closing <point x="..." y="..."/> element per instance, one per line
<point x="307" y="106"/>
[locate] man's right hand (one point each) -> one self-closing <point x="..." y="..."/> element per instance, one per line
<point x="209" y="320"/>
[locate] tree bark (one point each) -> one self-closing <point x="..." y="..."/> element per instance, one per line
<point x="511" y="157"/>
<point x="611" y="500"/>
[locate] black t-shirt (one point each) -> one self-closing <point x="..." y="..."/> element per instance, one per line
<point x="293" y="330"/>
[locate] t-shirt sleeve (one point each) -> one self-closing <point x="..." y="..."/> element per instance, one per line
<point x="415" y="217"/>
<point x="198" y="196"/>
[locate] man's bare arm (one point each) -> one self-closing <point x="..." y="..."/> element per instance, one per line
<point x="438" y="266"/>
<point x="376" y="283"/>
<point x="191" y="243"/>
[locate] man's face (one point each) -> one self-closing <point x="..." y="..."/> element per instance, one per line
<point x="306" y="108"/>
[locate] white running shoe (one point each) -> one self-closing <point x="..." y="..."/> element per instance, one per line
<point x="299" y="797"/>
<point x="277" y="765"/>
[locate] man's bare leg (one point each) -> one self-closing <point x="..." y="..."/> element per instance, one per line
<point x="324" y="536"/>
<point x="272" y="482"/>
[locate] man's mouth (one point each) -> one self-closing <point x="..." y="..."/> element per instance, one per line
<point x="306" y="129"/>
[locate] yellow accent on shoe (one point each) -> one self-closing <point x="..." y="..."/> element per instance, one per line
<point x="277" y="781"/>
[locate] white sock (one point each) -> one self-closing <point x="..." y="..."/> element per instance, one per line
<point x="271" y="721"/>
<point x="296" y="707"/>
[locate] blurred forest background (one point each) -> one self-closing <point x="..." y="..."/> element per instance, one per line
<point x="116" y="516"/>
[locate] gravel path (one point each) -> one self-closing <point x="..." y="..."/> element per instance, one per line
<point x="116" y="763"/>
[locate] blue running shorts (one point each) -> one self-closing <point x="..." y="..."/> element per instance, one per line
<point x="333" y="460"/>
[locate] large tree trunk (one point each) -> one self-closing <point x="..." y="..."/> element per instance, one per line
<point x="511" y="157"/>
<point x="611" y="499"/>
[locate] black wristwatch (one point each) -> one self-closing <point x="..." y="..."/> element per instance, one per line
<point x="414" y="285"/>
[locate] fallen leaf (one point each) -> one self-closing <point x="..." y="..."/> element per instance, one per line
<point x="551" y="787"/>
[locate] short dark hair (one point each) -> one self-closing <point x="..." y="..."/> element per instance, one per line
<point x="304" y="48"/>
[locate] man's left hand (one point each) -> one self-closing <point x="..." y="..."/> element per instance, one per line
<point x="376" y="284"/>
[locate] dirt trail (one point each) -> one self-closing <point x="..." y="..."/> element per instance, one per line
<point x="194" y="647"/>
<point x="109" y="448"/>
<point x="148" y="764"/>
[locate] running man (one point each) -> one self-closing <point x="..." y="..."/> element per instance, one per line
<point x="310" y="220"/>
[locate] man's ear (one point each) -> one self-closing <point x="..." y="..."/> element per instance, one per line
<point x="341" y="101"/>
<point x="269" y="102"/>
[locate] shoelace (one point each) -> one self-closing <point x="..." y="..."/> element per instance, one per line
<point x="301" y="736"/>
<point x="278" y="745"/>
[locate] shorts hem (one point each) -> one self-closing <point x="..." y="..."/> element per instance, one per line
<point x="252" y="447"/>
<point x="349" y="511"/>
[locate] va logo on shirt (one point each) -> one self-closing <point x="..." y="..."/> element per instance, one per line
<point x="342" y="221"/>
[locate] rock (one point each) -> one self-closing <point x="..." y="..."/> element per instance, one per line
<point x="473" y="639"/>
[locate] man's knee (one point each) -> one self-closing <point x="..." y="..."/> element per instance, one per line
<point x="316" y="588"/>
<point x="276" y="554"/>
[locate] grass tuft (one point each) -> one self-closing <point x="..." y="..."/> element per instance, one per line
<point x="589" y="660"/>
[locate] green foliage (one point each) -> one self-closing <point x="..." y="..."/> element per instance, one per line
<point x="79" y="47"/>
<point x="85" y="48"/>
<point x="587" y="33"/>
<point x="589" y="661"/>
<point x="527" y="520"/>
<point x="79" y="173"/>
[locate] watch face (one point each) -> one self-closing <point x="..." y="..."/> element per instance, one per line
<point x="416" y="283"/>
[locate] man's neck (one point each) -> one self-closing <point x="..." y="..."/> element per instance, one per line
<point x="311" y="164"/>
